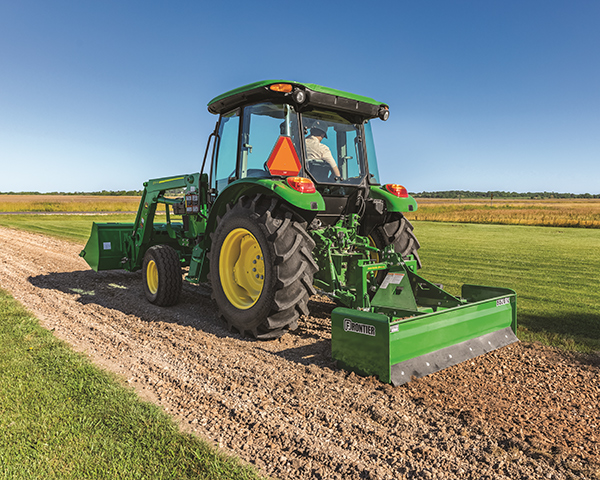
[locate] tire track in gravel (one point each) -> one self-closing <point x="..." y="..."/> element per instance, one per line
<point x="283" y="406"/>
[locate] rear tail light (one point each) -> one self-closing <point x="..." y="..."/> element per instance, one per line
<point x="301" y="184"/>
<point x="397" y="190"/>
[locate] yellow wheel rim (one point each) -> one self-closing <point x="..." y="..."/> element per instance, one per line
<point x="374" y="255"/>
<point x="152" y="277"/>
<point x="241" y="268"/>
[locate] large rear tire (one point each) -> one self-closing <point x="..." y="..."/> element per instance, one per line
<point x="399" y="232"/>
<point x="261" y="267"/>
<point x="161" y="273"/>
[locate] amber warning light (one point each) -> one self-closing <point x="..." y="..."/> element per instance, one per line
<point x="397" y="190"/>
<point x="281" y="87"/>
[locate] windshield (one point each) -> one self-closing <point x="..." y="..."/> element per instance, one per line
<point x="334" y="148"/>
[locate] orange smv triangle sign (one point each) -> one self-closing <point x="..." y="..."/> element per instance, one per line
<point x="284" y="160"/>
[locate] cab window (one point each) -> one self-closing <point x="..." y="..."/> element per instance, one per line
<point x="226" y="157"/>
<point x="263" y="124"/>
<point x="333" y="141"/>
<point x="371" y="157"/>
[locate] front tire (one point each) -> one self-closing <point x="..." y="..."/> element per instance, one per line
<point x="161" y="274"/>
<point x="261" y="267"/>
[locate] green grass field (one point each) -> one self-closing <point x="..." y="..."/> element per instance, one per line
<point x="555" y="272"/>
<point x="75" y="228"/>
<point x="62" y="418"/>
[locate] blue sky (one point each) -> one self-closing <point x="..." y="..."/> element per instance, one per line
<point x="484" y="94"/>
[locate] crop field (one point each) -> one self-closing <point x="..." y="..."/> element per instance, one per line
<point x="557" y="213"/>
<point x="67" y="203"/>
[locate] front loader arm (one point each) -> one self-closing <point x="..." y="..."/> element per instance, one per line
<point x="144" y="228"/>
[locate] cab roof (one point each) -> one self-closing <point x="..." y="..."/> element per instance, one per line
<point x="316" y="95"/>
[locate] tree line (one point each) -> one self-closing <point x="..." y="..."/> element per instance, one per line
<point x="439" y="194"/>
<point x="501" y="194"/>
<point x="107" y="193"/>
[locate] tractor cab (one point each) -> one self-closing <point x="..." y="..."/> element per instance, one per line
<point x="276" y="129"/>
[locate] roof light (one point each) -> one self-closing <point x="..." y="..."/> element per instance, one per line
<point x="384" y="112"/>
<point x="281" y="87"/>
<point x="301" y="184"/>
<point x="299" y="96"/>
<point x="397" y="190"/>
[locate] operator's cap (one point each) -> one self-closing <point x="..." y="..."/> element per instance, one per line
<point x="319" y="129"/>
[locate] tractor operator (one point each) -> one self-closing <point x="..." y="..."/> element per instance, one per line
<point x="315" y="150"/>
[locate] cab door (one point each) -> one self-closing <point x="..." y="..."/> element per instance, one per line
<point x="224" y="168"/>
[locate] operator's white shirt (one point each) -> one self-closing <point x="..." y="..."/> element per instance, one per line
<point x="315" y="150"/>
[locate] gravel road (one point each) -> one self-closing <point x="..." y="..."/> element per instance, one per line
<point x="525" y="411"/>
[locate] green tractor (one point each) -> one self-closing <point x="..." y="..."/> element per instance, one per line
<point x="291" y="201"/>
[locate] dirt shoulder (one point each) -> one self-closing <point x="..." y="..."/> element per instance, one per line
<point x="525" y="411"/>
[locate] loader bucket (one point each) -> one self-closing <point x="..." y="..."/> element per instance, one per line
<point x="397" y="349"/>
<point x="105" y="248"/>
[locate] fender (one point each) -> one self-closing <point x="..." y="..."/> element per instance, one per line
<point x="392" y="202"/>
<point x="305" y="204"/>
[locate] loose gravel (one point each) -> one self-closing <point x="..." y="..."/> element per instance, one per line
<point x="525" y="411"/>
